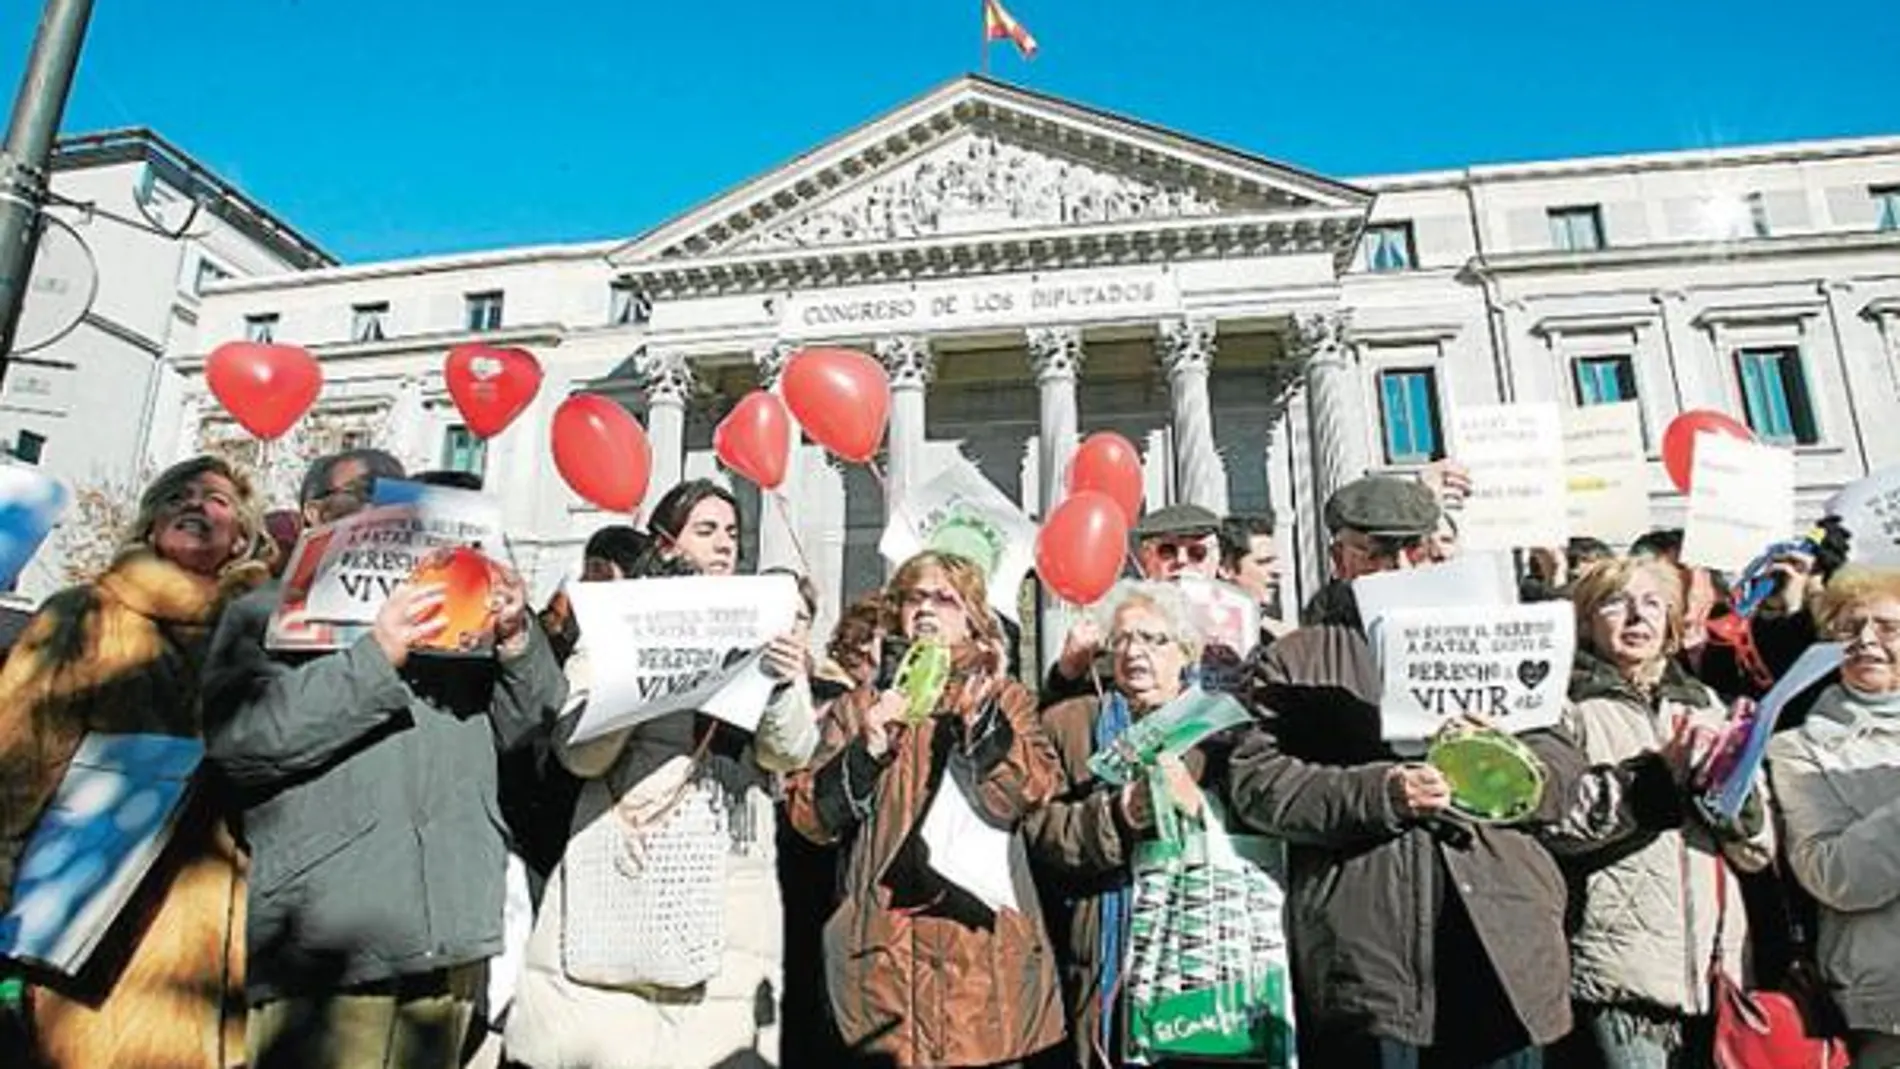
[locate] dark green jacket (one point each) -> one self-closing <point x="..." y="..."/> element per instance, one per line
<point x="369" y="800"/>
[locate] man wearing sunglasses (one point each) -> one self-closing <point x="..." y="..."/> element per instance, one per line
<point x="1417" y="937"/>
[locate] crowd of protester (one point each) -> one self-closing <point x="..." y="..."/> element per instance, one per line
<point x="704" y="897"/>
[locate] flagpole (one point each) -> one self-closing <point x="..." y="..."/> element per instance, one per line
<point x="983" y="16"/>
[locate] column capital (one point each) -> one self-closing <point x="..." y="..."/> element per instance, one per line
<point x="1055" y="352"/>
<point x="1320" y="335"/>
<point x="770" y="359"/>
<point x="1185" y="345"/>
<point x="907" y="359"/>
<point x="667" y="377"/>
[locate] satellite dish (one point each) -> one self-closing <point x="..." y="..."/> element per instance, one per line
<point x="59" y="290"/>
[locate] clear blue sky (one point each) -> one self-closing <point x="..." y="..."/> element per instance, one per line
<point x="395" y="127"/>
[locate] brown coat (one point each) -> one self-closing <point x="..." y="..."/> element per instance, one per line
<point x="918" y="971"/>
<point x="122" y="655"/>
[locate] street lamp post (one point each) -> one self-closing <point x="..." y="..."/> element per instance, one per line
<point x="26" y="159"/>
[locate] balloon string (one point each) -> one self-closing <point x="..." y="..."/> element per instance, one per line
<point x="877" y="473"/>
<point x="785" y="514"/>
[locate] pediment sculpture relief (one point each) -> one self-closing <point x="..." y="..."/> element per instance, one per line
<point x="977" y="184"/>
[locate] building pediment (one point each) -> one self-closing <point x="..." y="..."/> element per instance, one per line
<point x="977" y="160"/>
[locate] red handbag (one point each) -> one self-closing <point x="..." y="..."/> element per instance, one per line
<point x="1761" y="1029"/>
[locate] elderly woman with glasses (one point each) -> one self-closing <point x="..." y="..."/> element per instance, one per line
<point x="1839" y="792"/>
<point x="921" y="971"/>
<point x="1083" y="842"/>
<point x="1659" y="874"/>
<point x="122" y="654"/>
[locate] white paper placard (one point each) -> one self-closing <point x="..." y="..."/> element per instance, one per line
<point x="1515" y="454"/>
<point x="1870" y="511"/>
<point x="663" y="645"/>
<point x="372" y="552"/>
<point x="960" y="511"/>
<point x="966" y="849"/>
<point x="1507" y="664"/>
<point x="1741" y="501"/>
<point x="1606" y="473"/>
<point x="1469" y="579"/>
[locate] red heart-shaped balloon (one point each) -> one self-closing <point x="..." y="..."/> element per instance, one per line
<point x="491" y="386"/>
<point x="1678" y="444"/>
<point x="1108" y="462"/>
<point x="755" y="439"/>
<point x="602" y="452"/>
<point x="841" y="397"/>
<point x="266" y="388"/>
<point x="1081" y="546"/>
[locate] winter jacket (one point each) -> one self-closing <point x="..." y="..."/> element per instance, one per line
<point x="1368" y="886"/>
<point x="1839" y="794"/>
<point x="369" y="799"/>
<point x="1083" y="846"/>
<point x="124" y="654"/>
<point x="733" y="1019"/>
<point x="919" y="971"/>
<point x="1648" y="910"/>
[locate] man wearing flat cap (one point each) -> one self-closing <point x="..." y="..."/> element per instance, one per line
<point x="1417" y="937"/>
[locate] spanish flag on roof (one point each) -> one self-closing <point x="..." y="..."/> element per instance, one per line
<point x="998" y="24"/>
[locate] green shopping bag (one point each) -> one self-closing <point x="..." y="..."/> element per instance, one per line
<point x="1207" y="957"/>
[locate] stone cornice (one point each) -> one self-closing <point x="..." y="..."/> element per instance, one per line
<point x="530" y="334"/>
<point x="1691" y="252"/>
<point x="1328" y="231"/>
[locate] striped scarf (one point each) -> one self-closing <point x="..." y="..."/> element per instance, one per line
<point x="1112" y="721"/>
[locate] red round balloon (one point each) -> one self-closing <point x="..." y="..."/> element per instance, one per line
<point x="1678" y="444"/>
<point x="1108" y="462"/>
<point x="491" y="386"/>
<point x="266" y="388"/>
<point x="1081" y="546"/>
<point x="841" y="397"/>
<point x="602" y="452"/>
<point x="755" y="439"/>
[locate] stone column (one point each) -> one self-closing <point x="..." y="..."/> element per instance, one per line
<point x="1055" y="353"/>
<point x="778" y="542"/>
<point x="1336" y="439"/>
<point x="667" y="379"/>
<point x="908" y="361"/>
<point x="1186" y="350"/>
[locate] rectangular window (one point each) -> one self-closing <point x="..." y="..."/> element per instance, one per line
<point x="1408" y="407"/>
<point x="28" y="447"/>
<point x="1757" y="214"/>
<point x="463" y="451"/>
<point x="208" y="273"/>
<point x="484" y="311"/>
<point x="1577" y="229"/>
<point x="1775" y="394"/>
<point x="1390" y="247"/>
<point x="1605" y="380"/>
<point x="1886" y="207"/>
<point x="366" y="321"/>
<point x="261" y="327"/>
<point x="627" y="306"/>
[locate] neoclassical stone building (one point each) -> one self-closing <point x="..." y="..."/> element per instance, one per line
<point x="1030" y="270"/>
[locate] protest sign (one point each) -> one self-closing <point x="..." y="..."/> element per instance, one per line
<point x="1741" y="501"/>
<point x="1466" y="580"/>
<point x="1515" y="455"/>
<point x="1870" y="511"/>
<point x="1739" y="761"/>
<point x="960" y="511"/>
<point x="1507" y="664"/>
<point x="663" y="645"/>
<point x="1228" y="621"/>
<point x="291" y="627"/>
<point x="1606" y="475"/>
<point x="374" y="551"/>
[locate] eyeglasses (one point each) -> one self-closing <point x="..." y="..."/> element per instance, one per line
<point x="1647" y="606"/>
<point x="1124" y="641"/>
<point x="939" y="599"/>
<point x="356" y="488"/>
<point x="1173" y="551"/>
<point x="1886" y="628"/>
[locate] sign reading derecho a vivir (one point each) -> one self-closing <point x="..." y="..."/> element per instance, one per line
<point x="1509" y="664"/>
<point x="926" y="307"/>
<point x="658" y="646"/>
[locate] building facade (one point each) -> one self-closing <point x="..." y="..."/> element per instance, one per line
<point x="1030" y="270"/>
<point x="157" y="228"/>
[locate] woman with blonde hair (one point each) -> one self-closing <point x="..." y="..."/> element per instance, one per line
<point x="922" y="972"/>
<point x="1659" y="874"/>
<point x="122" y="654"/>
<point x="1835" y="780"/>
